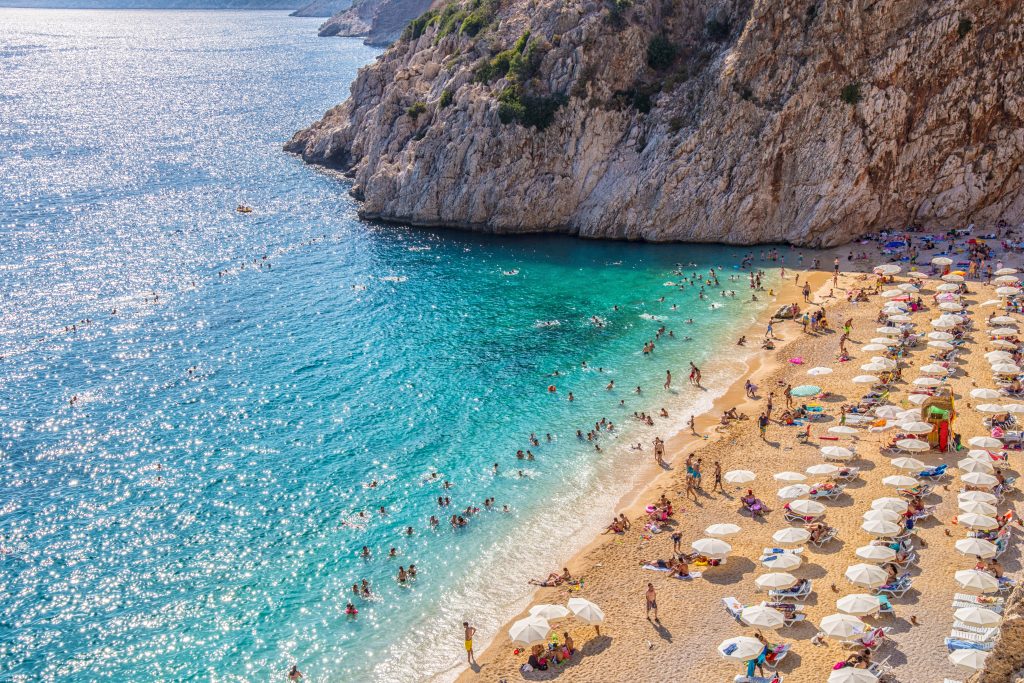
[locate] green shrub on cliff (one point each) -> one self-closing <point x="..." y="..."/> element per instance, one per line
<point x="416" y="109"/>
<point x="482" y="14"/>
<point x="417" y="26"/>
<point x="446" y="98"/>
<point x="851" y="93"/>
<point x="661" y="52"/>
<point x="521" y="60"/>
<point x="964" y="27"/>
<point x="514" y="106"/>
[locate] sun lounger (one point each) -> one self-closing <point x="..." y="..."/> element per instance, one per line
<point x="928" y="511"/>
<point x="777" y="678"/>
<point x="826" y="537"/>
<point x="982" y="600"/>
<point x="909" y="560"/>
<point x="885" y="607"/>
<point x="897" y="588"/>
<point x="782" y="551"/>
<point x="870" y="640"/>
<point x="986" y="636"/>
<point x="977" y="630"/>
<point x="933" y="472"/>
<point x="791" y="516"/>
<point x="959" y="644"/>
<point x="798" y="593"/>
<point x="831" y="494"/>
<point x="733" y="607"/>
<point x="848" y="474"/>
<point x="777" y="654"/>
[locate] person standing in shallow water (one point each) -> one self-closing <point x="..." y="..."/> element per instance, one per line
<point x="668" y="379"/>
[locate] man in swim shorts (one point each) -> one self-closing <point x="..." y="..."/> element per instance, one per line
<point x="652" y="602"/>
<point x="469" y="633"/>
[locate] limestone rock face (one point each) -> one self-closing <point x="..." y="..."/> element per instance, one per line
<point x="322" y="8"/>
<point x="380" y="22"/>
<point x="739" y="121"/>
<point x="1006" y="663"/>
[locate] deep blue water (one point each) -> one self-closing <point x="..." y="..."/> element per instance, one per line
<point x="239" y="380"/>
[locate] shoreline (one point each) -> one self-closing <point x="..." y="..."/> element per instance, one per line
<point x="757" y="365"/>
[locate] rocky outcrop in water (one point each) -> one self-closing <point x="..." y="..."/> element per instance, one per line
<point x="322" y="8"/>
<point x="380" y="22"/>
<point x="808" y="121"/>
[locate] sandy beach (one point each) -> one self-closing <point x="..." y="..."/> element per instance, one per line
<point x="692" y="616"/>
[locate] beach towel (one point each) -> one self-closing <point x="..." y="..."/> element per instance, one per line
<point x="691" y="575"/>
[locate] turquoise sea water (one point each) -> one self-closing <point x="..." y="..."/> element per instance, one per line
<point x="239" y="380"/>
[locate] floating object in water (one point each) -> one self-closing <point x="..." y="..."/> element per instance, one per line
<point x="242" y="208"/>
<point x="510" y="272"/>
<point x="394" y="278"/>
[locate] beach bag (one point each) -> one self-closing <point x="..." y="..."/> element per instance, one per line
<point x="525" y="668"/>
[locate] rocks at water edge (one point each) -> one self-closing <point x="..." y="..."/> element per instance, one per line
<point x="379" y="22"/>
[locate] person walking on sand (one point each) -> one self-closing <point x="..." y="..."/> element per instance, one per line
<point x="762" y="424"/>
<point x="718" y="478"/>
<point x="668" y="380"/>
<point x="469" y="633"/>
<point x="692" y="425"/>
<point x="652" y="603"/>
<point x="788" y="393"/>
<point x="807" y="292"/>
<point x="771" y="402"/>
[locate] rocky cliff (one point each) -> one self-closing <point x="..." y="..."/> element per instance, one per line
<point x="808" y="121"/>
<point x="1006" y="663"/>
<point x="380" y="22"/>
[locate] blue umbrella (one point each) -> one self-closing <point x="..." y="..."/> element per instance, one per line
<point x="806" y="390"/>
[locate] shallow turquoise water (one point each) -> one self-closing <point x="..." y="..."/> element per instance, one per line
<point x="194" y="514"/>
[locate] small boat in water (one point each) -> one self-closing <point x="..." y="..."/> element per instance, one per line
<point x="242" y="208"/>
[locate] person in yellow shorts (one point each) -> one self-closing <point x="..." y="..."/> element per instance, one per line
<point x="470" y="631"/>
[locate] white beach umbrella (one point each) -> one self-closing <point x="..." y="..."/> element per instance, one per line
<point x="849" y="674"/>
<point x="836" y="452"/>
<point x="953" y="278"/>
<point x="1006" y="280"/>
<point x="807" y="508"/>
<point x="775" y="581"/>
<point x="971" y="520"/>
<point x="942" y="261"/>
<point x="791" y="535"/>
<point x="947" y="287"/>
<point x="887" y="412"/>
<point x="985" y="393"/>
<point x="740" y="648"/>
<point x="866" y="379"/>
<point x="1004" y="344"/>
<point x="859" y="604"/>
<point x="794" y="491"/>
<point x="976" y="581"/>
<point x="979" y="454"/>
<point x="858" y="419"/>
<point x="899" y="318"/>
<point x="941" y="336"/>
<point x="950" y="306"/>
<point x="869" y="348"/>
<point x="885" y="341"/>
<point x="889" y="330"/>
<point x="712" y="547"/>
<point x="916" y="427"/>
<point x="979" y="479"/>
<point x="873" y="367"/>
<point x="976" y="507"/>
<point x="889" y="503"/>
<point x="918" y="275"/>
<point x="881" y="529"/>
<point x="881" y="516"/>
<point x="740" y="476"/>
<point x="909" y="288"/>
<point x="1002" y="332"/>
<point x="943" y="323"/>
<point x="945" y="346"/>
<point x="900" y="481"/>
<point x="909" y="415"/>
<point x="977" y="616"/>
<point x="819" y="372"/>
<point x="586" y="611"/>
<point x="722" y="530"/>
<point x="972" y="660"/>
<point x="1006" y="369"/>
<point x="1007" y="291"/>
<point x="980" y="496"/>
<point x="843" y="430"/>
<point x="909" y="464"/>
<point x="549" y="612"/>
<point x="889" y="363"/>
<point x="790" y="476"/>
<point x="975" y="465"/>
<point x="926" y="382"/>
<point x="822" y="470"/>
<point x="999" y="356"/>
<point x="842" y="626"/>
<point x="934" y="369"/>
<point x="783" y="562"/>
<point x="918" y="399"/>
<point x="1006" y="271"/>
<point x="993" y="302"/>
<point x="765" y="617"/>
<point x="976" y="547"/>
<point x="985" y="442"/>
<point x="530" y="631"/>
<point x="913" y="445"/>
<point x="887" y="269"/>
<point x="1002" y="320"/>
<point x="875" y="553"/>
<point x="989" y="408"/>
<point x="892" y="293"/>
<point x="1014" y="408"/>
<point x="866" y="575"/>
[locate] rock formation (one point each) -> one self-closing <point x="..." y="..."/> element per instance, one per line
<point x="380" y="22"/>
<point x="1006" y="663"/>
<point x="740" y="121"/>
